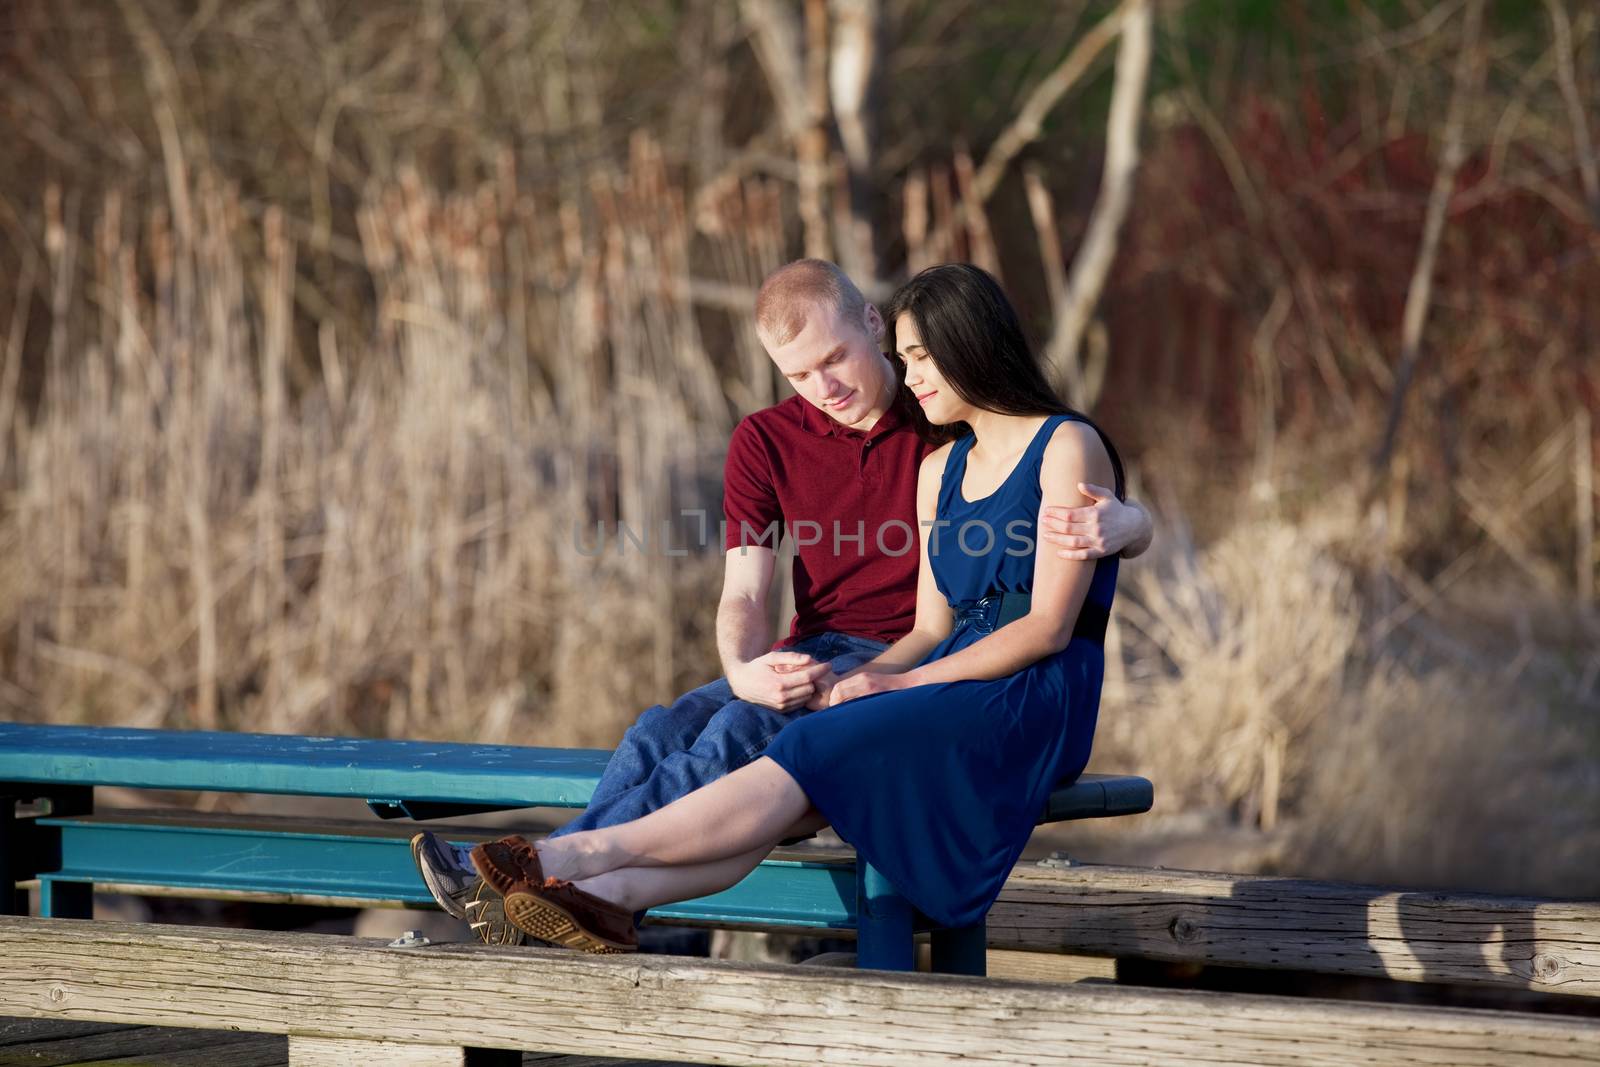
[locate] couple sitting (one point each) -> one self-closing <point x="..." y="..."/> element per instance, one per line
<point x="926" y="701"/>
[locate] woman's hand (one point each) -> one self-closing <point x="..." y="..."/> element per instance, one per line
<point x="865" y="684"/>
<point x="823" y="686"/>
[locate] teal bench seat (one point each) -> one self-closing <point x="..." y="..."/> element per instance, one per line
<point x="70" y="847"/>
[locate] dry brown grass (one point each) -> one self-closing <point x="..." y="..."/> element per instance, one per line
<point x="392" y="550"/>
<point x="299" y="403"/>
<point x="1372" y="725"/>
<point x="1232" y="654"/>
<point x="1450" y="777"/>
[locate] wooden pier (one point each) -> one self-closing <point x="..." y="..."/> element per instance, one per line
<point x="349" y="1000"/>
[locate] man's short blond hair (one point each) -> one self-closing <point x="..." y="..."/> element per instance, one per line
<point x="792" y="292"/>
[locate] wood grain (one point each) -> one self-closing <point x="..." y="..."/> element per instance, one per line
<point x="325" y="1052"/>
<point x="51" y="1043"/>
<point x="1049" y="966"/>
<point x="1329" y="927"/>
<point x="322" y="986"/>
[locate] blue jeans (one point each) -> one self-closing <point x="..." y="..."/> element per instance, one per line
<point x="671" y="751"/>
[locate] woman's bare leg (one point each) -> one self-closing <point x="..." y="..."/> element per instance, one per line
<point x="752" y="808"/>
<point x="638" y="888"/>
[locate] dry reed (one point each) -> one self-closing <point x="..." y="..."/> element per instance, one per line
<point x="300" y="404"/>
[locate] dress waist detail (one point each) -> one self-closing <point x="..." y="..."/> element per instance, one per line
<point x="987" y="614"/>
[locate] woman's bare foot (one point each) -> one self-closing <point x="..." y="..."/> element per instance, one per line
<point x="573" y="858"/>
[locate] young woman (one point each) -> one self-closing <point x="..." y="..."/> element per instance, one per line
<point x="935" y="758"/>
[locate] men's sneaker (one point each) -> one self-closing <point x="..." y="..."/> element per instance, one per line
<point x="449" y="880"/>
<point x="455" y="886"/>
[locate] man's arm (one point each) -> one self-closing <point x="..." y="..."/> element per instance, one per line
<point x="744" y="625"/>
<point x="778" y="680"/>
<point x="1105" y="526"/>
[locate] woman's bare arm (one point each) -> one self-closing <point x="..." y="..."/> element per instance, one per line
<point x="1075" y="454"/>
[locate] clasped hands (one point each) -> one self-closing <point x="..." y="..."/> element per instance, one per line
<point x="788" y="681"/>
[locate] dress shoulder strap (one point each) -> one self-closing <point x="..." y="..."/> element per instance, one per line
<point x="955" y="469"/>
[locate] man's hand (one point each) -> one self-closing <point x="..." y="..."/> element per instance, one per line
<point x="778" y="680"/>
<point x="1103" y="528"/>
<point x="820" y="690"/>
<point x="864" y="684"/>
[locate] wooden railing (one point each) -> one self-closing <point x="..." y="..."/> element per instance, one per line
<point x="1327" y="927"/>
<point x="1047" y="914"/>
<point x="350" y="1000"/>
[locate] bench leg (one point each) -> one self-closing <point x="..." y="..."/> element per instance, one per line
<point x="883" y="923"/>
<point x="28" y="850"/>
<point x="66" y="900"/>
<point x="16" y="846"/>
<point x="962" y="951"/>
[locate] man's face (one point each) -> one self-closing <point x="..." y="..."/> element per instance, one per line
<point x="838" y="367"/>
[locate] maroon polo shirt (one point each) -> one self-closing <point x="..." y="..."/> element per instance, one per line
<point x="849" y="500"/>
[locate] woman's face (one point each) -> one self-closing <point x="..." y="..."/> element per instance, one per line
<point x="939" y="401"/>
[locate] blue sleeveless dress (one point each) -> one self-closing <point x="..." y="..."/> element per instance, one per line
<point x="939" y="786"/>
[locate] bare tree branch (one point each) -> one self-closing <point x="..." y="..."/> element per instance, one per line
<point x="797" y="78"/>
<point x="1029" y="123"/>
<point x="1093" y="262"/>
<point x="980" y="237"/>
<point x="853" y="76"/>
<point x="811" y="150"/>
<point x="1044" y="224"/>
<point x="1567" y="78"/>
<point x="775" y="38"/>
<point x="1583" y="462"/>
<point x="1469" y="70"/>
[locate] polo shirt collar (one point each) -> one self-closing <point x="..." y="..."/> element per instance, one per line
<point x="817" y="421"/>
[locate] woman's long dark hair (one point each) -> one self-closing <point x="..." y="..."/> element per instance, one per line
<point x="974" y="337"/>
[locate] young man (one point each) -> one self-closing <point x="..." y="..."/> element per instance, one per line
<point x="835" y="467"/>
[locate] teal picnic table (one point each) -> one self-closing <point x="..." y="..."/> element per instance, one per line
<point x="50" y="829"/>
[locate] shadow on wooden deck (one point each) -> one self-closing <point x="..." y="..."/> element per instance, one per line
<point x="54" y="1043"/>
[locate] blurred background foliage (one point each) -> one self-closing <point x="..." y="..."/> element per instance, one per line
<point x="326" y="322"/>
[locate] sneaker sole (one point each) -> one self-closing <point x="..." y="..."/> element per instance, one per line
<point x="491" y="925"/>
<point x="548" y="921"/>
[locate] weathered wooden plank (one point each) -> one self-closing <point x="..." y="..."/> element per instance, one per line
<point x="138" y="1044"/>
<point x="1048" y="966"/>
<point x="1245" y="920"/>
<point x="710" y="1012"/>
<point x="541" y="1059"/>
<point x="226" y="1049"/>
<point x="1004" y="963"/>
<point x="261" y="1050"/>
<point x="29" y="1031"/>
<point x="328" y="1052"/>
<point x="1329" y="927"/>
